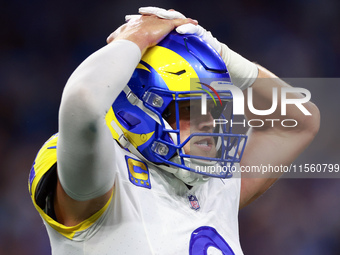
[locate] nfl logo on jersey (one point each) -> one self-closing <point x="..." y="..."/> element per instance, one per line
<point x="194" y="202"/>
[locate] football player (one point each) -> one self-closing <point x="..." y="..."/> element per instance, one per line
<point x="138" y="166"/>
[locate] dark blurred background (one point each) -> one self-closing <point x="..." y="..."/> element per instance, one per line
<point x="42" y="42"/>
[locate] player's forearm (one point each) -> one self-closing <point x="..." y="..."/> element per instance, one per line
<point x="262" y="83"/>
<point x="85" y="145"/>
<point x="94" y="85"/>
<point x="265" y="88"/>
<point x="99" y="79"/>
<point x="273" y="145"/>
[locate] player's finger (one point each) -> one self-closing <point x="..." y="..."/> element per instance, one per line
<point x="179" y="22"/>
<point x="110" y="38"/>
<point x="132" y="16"/>
<point x="187" y="29"/>
<point x="161" y="13"/>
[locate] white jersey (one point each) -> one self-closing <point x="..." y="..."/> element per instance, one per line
<point x="150" y="212"/>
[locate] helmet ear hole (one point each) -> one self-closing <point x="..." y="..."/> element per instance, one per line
<point x="128" y="119"/>
<point x="166" y="114"/>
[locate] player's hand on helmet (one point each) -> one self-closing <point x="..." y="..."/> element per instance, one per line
<point x="243" y="72"/>
<point x="183" y="29"/>
<point x="147" y="30"/>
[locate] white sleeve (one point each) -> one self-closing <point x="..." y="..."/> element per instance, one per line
<point x="85" y="150"/>
<point x="243" y="72"/>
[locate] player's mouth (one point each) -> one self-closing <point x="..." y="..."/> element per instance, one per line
<point x="205" y="144"/>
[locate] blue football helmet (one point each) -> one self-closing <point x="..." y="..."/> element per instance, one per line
<point x="181" y="68"/>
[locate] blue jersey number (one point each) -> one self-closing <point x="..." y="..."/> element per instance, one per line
<point x="205" y="237"/>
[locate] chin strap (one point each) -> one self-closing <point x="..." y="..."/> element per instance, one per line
<point x="187" y="176"/>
